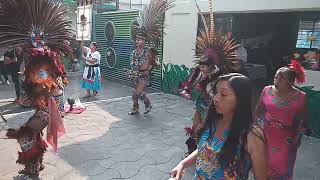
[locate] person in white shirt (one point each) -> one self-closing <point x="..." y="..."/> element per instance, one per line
<point x="91" y="78"/>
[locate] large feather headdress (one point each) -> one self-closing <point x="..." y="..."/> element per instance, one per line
<point x="40" y="28"/>
<point x="34" y="24"/>
<point x="212" y="47"/>
<point x="150" y="24"/>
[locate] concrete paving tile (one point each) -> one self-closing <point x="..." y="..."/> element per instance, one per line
<point x="107" y="174"/>
<point x="152" y="145"/>
<point x="154" y="171"/>
<point x="125" y="155"/>
<point x="94" y="148"/>
<point x="174" y="159"/>
<point x="142" y="176"/>
<point x="108" y="162"/>
<point x="75" y="155"/>
<point x="91" y="168"/>
<point x="73" y="175"/>
<point x="105" y="143"/>
<point x="130" y="169"/>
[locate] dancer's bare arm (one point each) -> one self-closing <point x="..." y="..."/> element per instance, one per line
<point x="257" y="149"/>
<point x="84" y="48"/>
<point x="177" y="172"/>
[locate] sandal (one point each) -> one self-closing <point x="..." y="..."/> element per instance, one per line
<point x="23" y="171"/>
<point x="41" y="167"/>
<point x="148" y="109"/>
<point x="134" y="112"/>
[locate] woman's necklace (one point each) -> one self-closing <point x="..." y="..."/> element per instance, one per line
<point x="282" y="97"/>
<point x="281" y="101"/>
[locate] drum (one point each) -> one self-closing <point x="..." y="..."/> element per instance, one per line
<point x="38" y="121"/>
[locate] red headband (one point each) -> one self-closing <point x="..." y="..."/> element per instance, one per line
<point x="299" y="70"/>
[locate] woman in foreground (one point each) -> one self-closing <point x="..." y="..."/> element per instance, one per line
<point x="229" y="145"/>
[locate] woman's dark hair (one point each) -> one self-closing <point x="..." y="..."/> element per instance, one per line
<point x="242" y="118"/>
<point x="289" y="72"/>
<point x="82" y="18"/>
<point x="95" y="44"/>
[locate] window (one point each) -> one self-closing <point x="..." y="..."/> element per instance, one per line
<point x="309" y="34"/>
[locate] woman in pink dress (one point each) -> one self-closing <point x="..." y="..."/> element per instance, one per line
<point x="281" y="113"/>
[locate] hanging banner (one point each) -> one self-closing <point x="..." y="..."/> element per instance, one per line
<point x="84" y="23"/>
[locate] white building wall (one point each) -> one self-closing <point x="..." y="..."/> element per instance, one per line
<point x="263" y="5"/>
<point x="313" y="79"/>
<point x="182" y="21"/>
<point x="179" y="38"/>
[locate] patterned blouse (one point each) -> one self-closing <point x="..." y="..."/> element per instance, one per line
<point x="209" y="165"/>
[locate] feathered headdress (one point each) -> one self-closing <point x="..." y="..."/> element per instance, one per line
<point x="150" y="25"/>
<point x="34" y="24"/>
<point x="213" y="47"/>
<point x="299" y="70"/>
<point x="40" y="28"/>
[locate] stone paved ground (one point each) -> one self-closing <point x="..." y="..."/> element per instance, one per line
<point x="105" y="143"/>
<point x="111" y="89"/>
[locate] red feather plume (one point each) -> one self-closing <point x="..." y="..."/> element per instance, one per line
<point x="190" y="131"/>
<point x="298" y="68"/>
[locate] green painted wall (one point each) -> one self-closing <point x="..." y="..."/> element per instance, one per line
<point x="122" y="46"/>
<point x="173" y="76"/>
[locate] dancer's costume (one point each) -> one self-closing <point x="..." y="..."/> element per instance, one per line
<point x="217" y="51"/>
<point x="149" y="28"/>
<point x="39" y="27"/>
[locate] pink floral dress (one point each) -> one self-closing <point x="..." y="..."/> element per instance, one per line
<point x="282" y="124"/>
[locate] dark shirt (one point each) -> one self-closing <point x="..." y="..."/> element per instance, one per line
<point x="10" y="54"/>
<point x="20" y="58"/>
<point x="15" y="66"/>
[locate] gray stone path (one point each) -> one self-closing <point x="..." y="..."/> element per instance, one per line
<point x="105" y="143"/>
<point x="110" y="89"/>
